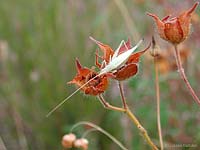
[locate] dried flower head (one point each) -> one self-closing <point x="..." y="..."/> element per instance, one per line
<point x="175" y="30"/>
<point x="81" y="143"/>
<point x="68" y="140"/>
<point x="96" y="86"/>
<point x="128" y="67"/>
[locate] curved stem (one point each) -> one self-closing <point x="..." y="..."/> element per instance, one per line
<point x="88" y="131"/>
<point x="100" y="130"/>
<point x="108" y="106"/>
<point x="142" y="130"/>
<point x="182" y="74"/>
<point x="158" y="102"/>
<point x="132" y="117"/>
<point x="122" y="95"/>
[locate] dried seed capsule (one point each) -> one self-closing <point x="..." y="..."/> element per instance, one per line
<point x="175" y="30"/>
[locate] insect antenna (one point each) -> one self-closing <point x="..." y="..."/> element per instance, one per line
<point x="67" y="98"/>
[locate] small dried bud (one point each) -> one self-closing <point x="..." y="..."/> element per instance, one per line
<point x="155" y="51"/>
<point x="81" y="143"/>
<point x="68" y="140"/>
<point x="175" y="30"/>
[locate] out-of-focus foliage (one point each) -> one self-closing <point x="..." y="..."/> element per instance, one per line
<point x="39" y="41"/>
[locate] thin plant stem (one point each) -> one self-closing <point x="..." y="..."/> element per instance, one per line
<point x="142" y="130"/>
<point x="19" y="129"/>
<point x="183" y="76"/>
<point x="108" y="106"/>
<point x="131" y="117"/>
<point x="2" y="145"/>
<point x="88" y="131"/>
<point x="122" y="95"/>
<point x="129" y="22"/>
<point x="100" y="130"/>
<point x="158" y="102"/>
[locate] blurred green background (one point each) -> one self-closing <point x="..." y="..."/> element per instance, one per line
<point x="39" y="41"/>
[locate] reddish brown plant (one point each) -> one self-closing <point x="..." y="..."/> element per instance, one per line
<point x="96" y="86"/>
<point x="129" y="69"/>
<point x="175" y="30"/>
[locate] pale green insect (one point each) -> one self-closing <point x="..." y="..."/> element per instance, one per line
<point x="119" y="60"/>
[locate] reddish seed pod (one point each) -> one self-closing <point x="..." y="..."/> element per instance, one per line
<point x="95" y="87"/>
<point x="129" y="69"/>
<point x="175" y="30"/>
<point x="81" y="143"/>
<point x="68" y="140"/>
